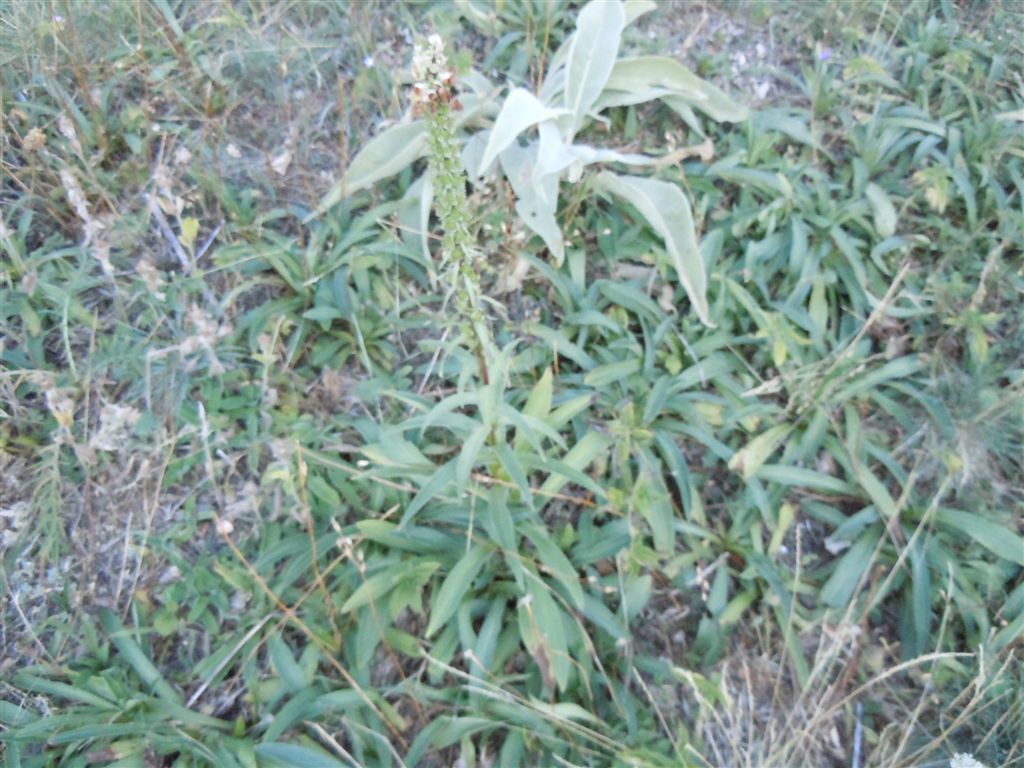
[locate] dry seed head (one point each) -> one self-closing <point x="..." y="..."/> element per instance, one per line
<point x="67" y="130"/>
<point x="34" y="140"/>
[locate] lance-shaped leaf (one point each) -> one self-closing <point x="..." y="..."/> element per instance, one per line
<point x="592" y="55"/>
<point x="520" y="110"/>
<point x="456" y="584"/>
<point x="755" y="453"/>
<point x="644" y="74"/>
<point x="542" y="630"/>
<point x="882" y="208"/>
<point x="579" y="457"/>
<point x="537" y="210"/>
<point x="668" y="212"/>
<point x="384" y="156"/>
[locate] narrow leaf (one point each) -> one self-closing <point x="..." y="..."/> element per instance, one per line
<point x="454" y="588"/>
<point x="667" y="210"/>
<point x="592" y="56"/>
<point x="554" y="560"/>
<point x="645" y="73"/>
<point x="538" y="404"/>
<point x="285" y="664"/>
<point x="883" y="209"/>
<point x="755" y="453"/>
<point x="470" y="455"/>
<point x="849" y="571"/>
<point x="536" y="198"/>
<point x="384" y="156"/>
<point x="437" y="482"/>
<point x="996" y="538"/>
<point x="136" y="657"/>
<point x="604" y="375"/>
<point x="579" y="457"/>
<point x="295" y="756"/>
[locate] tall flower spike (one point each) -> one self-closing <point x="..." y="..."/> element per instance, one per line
<point x="433" y="97"/>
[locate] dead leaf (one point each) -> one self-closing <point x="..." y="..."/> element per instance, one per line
<point x="281" y="161"/>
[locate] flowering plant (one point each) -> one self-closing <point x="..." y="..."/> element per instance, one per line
<point x="433" y="98"/>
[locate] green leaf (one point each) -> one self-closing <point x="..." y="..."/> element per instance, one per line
<point x="801" y="477"/>
<point x="850" y="570"/>
<point x="285" y="664"/>
<point x="382" y="583"/>
<point x="323" y="314"/>
<point x="996" y="538"/>
<point x="296" y="756"/>
<point x="300" y="707"/>
<point x="737" y="607"/>
<point x="444" y="475"/>
<point x="604" y="375"/>
<point x="749" y="459"/>
<point x="54" y="688"/>
<point x="592" y="55"/>
<point x="189" y="230"/>
<point x="538" y="404"/>
<point x="567" y="411"/>
<point x="499" y="523"/>
<point x="667" y="210"/>
<point x="655" y="506"/>
<point x="529" y="427"/>
<point x="877" y="492"/>
<point x="455" y="587"/>
<point x="883" y="209"/>
<point x="793" y="123"/>
<point x="136" y="657"/>
<point x="579" y="457"/>
<point x="632" y="298"/>
<point x="599" y="615"/>
<point x="510" y="463"/>
<point x="536" y="199"/>
<point x="638" y="593"/>
<point x="920" y="600"/>
<point x="394" y="451"/>
<point x="542" y="630"/>
<point x="644" y="74"/>
<point x="520" y="111"/>
<point x="897" y="369"/>
<point x="446" y="406"/>
<point x="384" y="156"/>
<point x="555" y="561"/>
<point x="469" y="456"/>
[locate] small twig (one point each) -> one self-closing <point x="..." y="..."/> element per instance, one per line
<point x="858" y="736"/>
<point x="201" y="251"/>
<point x="326" y="738"/>
<point x="226" y="660"/>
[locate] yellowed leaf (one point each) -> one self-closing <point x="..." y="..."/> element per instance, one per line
<point x="189" y="230"/>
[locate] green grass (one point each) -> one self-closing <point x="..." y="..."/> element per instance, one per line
<point x="260" y="509"/>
